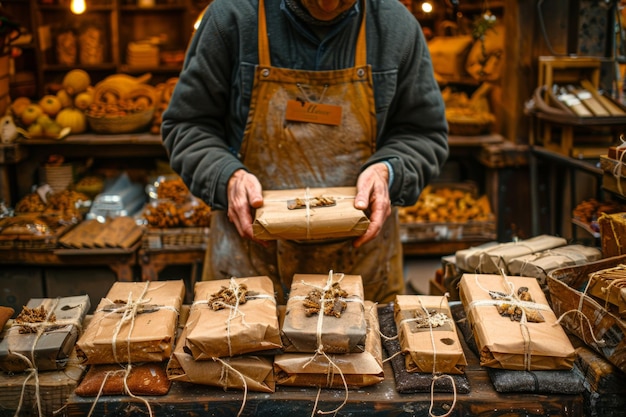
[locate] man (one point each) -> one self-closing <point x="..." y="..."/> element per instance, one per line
<point x="228" y="136"/>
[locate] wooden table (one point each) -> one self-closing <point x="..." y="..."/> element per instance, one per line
<point x="120" y="261"/>
<point x="185" y="399"/>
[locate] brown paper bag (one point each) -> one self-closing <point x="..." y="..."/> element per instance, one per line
<point x="326" y="370"/>
<point x="345" y="334"/>
<point x="250" y="327"/>
<point x="136" y="322"/>
<point x="53" y="339"/>
<point x="509" y="344"/>
<point x="276" y="220"/>
<point x="254" y="373"/>
<point x="416" y="316"/>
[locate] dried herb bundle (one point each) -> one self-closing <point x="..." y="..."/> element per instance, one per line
<point x="319" y="201"/>
<point x="33" y="315"/>
<point x="228" y="296"/>
<point x="334" y="305"/>
<point x="432" y="319"/>
<point x="513" y="310"/>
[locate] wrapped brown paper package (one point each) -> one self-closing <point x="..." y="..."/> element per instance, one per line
<point x="493" y="259"/>
<point x="344" y="334"/>
<point x="463" y="256"/>
<point x="276" y="221"/>
<point x="252" y="327"/>
<point x="143" y="379"/>
<point x="613" y="233"/>
<point x="52" y="341"/>
<point x="413" y="382"/>
<point x="504" y="343"/>
<point x="117" y="335"/>
<point x="539" y="264"/>
<point x="550" y="381"/>
<point x="441" y="353"/>
<point x="608" y="287"/>
<point x="254" y="373"/>
<point x="52" y="387"/>
<point x="316" y="370"/>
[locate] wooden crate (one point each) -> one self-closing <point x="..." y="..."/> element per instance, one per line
<point x="564" y="70"/>
<point x="584" y="317"/>
<point x="578" y="137"/>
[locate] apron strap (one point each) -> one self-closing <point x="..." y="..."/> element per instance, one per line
<point x="264" y="47"/>
<point x="360" y="58"/>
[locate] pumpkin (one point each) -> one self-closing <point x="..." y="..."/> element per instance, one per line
<point x="72" y="118"/>
<point x="76" y="81"/>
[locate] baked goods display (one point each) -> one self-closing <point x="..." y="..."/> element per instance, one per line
<point x="447" y="204"/>
<point x="175" y="206"/>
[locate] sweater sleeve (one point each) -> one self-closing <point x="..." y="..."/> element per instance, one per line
<point x="414" y="139"/>
<point x="194" y="126"/>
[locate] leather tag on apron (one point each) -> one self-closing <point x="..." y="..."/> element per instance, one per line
<point x="304" y="111"/>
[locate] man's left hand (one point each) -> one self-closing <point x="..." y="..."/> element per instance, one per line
<point x="372" y="190"/>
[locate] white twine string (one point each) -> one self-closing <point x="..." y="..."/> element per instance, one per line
<point x="224" y="377"/>
<point x="613" y="282"/>
<point x="307" y="202"/>
<point x="32" y="370"/>
<point x="579" y="312"/>
<point x="320" y="345"/>
<point x="101" y="389"/>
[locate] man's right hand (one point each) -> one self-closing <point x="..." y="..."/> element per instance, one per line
<point x="244" y="193"/>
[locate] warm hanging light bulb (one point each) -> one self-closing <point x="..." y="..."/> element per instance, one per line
<point x="196" y="24"/>
<point x="78" y="6"/>
<point x="427" y="7"/>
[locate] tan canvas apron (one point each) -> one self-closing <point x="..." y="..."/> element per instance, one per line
<point x="285" y="154"/>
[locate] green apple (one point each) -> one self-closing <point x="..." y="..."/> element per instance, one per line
<point x="52" y="130"/>
<point x="35" y="130"/>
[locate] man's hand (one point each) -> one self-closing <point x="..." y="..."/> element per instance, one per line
<point x="244" y="192"/>
<point x="372" y="190"/>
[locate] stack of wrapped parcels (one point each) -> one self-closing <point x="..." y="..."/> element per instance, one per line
<point x="534" y="257"/>
<point x="330" y="334"/>
<point x="129" y="338"/>
<point x="37" y="354"/>
<point x="230" y="336"/>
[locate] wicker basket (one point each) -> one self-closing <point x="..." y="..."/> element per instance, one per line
<point x="133" y="122"/>
<point x="583" y="316"/>
<point x="175" y="237"/>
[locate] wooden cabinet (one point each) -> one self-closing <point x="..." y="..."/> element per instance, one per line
<point x="98" y="40"/>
